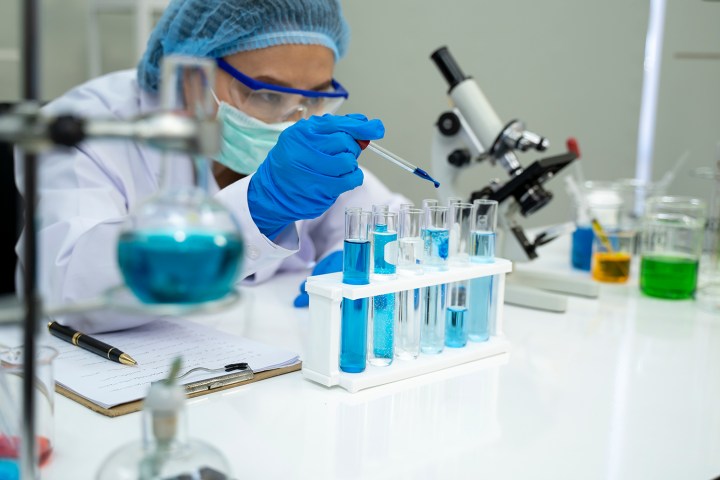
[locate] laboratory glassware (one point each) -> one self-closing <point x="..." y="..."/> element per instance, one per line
<point x="410" y="247"/>
<point x="165" y="450"/>
<point x="382" y="332"/>
<point x="11" y="376"/>
<point x="356" y="271"/>
<point x="459" y="226"/>
<point x="483" y="227"/>
<point x="612" y="255"/>
<point x="593" y="200"/>
<point x="435" y="257"/>
<point x="708" y="291"/>
<point x="456" y="328"/>
<point x="182" y="246"/>
<point x="672" y="239"/>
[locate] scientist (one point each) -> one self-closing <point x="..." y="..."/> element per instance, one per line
<point x="287" y="169"/>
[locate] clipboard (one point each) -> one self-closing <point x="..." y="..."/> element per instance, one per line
<point x="196" y="389"/>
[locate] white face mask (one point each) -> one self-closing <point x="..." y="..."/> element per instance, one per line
<point x="246" y="140"/>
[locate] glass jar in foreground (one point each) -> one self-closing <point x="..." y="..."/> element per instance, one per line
<point x="11" y="397"/>
<point x="672" y="239"/>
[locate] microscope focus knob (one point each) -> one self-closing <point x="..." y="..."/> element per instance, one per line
<point x="459" y="157"/>
<point x="448" y="124"/>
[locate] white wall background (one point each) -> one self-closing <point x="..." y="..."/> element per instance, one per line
<point x="565" y="67"/>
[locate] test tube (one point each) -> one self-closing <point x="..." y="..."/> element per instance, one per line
<point x="482" y="250"/>
<point x="456" y="328"/>
<point x="435" y="256"/>
<point x="459" y="226"/>
<point x="356" y="271"/>
<point x="405" y="206"/>
<point x="453" y="200"/>
<point x="410" y="247"/>
<point x="383" y="319"/>
<point x="376" y="209"/>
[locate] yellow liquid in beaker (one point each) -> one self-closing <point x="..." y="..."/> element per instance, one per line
<point x="613" y="267"/>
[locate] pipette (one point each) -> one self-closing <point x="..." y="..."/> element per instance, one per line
<point x="404" y="164"/>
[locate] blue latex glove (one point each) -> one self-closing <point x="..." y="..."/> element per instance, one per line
<point x="331" y="263"/>
<point x="314" y="161"/>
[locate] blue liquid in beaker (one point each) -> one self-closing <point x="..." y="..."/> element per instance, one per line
<point x="179" y="267"/>
<point x="582" y="240"/>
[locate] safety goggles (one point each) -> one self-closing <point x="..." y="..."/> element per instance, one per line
<point x="274" y="103"/>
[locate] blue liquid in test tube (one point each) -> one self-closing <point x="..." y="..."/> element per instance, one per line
<point x="435" y="255"/>
<point x="383" y="305"/>
<point x="436" y="247"/>
<point x="353" y="337"/>
<point x="455" y="330"/>
<point x="482" y="250"/>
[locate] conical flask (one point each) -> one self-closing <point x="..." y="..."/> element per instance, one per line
<point x="182" y="246"/>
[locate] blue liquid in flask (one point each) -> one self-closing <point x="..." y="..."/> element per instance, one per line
<point x="179" y="267"/>
<point x="353" y="328"/>
<point x="455" y="328"/>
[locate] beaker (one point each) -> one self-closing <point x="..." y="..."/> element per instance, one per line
<point x="182" y="246"/>
<point x="612" y="253"/>
<point x="604" y="203"/>
<point x="672" y="239"/>
<point x="708" y="291"/>
<point x="11" y="383"/>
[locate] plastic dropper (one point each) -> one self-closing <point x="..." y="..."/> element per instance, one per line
<point x="404" y="164"/>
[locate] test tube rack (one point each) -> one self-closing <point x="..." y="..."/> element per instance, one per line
<point x="321" y="362"/>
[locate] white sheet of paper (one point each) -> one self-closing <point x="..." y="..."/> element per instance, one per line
<point x="154" y="346"/>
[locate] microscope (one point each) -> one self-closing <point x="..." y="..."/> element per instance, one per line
<point x="472" y="132"/>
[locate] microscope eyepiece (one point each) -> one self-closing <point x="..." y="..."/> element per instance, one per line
<point x="448" y="67"/>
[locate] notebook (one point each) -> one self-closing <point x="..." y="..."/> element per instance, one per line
<point x="114" y="389"/>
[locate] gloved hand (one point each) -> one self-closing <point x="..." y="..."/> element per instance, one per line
<point x="314" y="161"/>
<point x="331" y="263"/>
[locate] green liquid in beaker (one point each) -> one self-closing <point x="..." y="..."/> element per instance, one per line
<point x="667" y="276"/>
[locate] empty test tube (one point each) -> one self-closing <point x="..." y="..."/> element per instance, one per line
<point x="410" y="247"/>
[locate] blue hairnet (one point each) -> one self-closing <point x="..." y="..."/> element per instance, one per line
<point x="217" y="28"/>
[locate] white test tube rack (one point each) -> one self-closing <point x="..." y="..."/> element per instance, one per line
<point x="321" y="362"/>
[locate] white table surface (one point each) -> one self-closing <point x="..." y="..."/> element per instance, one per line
<point x="620" y="387"/>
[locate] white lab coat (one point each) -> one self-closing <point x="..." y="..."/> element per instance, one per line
<point x="86" y="193"/>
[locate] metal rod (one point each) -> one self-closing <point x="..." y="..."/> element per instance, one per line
<point x="28" y="452"/>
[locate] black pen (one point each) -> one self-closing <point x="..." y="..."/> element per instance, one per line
<point x="90" y="344"/>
